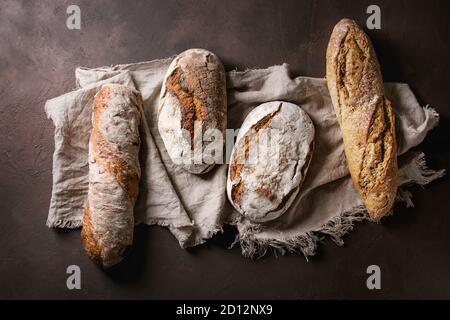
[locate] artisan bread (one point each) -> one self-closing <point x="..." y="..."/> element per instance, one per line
<point x="192" y="106"/>
<point x="269" y="160"/>
<point x="114" y="173"/>
<point x="365" y="116"/>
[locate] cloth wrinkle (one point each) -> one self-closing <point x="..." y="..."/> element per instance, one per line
<point x="195" y="208"/>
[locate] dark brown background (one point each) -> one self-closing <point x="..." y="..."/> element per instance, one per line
<point x="38" y="55"/>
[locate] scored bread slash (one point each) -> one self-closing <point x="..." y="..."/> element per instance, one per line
<point x="193" y="104"/>
<point x="365" y="116"/>
<point x="270" y="160"/>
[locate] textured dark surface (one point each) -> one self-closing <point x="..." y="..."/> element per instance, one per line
<point x="38" y="55"/>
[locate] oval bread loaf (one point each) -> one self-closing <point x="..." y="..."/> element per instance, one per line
<point x="269" y="160"/>
<point x="365" y="116"/>
<point x="114" y="174"/>
<point x="193" y="103"/>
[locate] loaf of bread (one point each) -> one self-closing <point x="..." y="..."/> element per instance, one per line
<point x="114" y="174"/>
<point x="269" y="160"/>
<point x="365" y="116"/>
<point x="192" y="117"/>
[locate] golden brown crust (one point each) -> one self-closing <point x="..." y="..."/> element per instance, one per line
<point x="365" y="116"/>
<point x="114" y="174"/>
<point x="108" y="159"/>
<point x="264" y="175"/>
<point x="236" y="191"/>
<point x="192" y="108"/>
<point x="193" y="101"/>
<point x="118" y="167"/>
<point x="90" y="244"/>
<point x="245" y="144"/>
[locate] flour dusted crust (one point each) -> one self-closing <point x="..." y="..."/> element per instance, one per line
<point x="193" y="91"/>
<point x="270" y="159"/>
<point x="365" y="116"/>
<point x="114" y="174"/>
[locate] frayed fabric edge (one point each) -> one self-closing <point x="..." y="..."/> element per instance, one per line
<point x="421" y="174"/>
<point x="336" y="227"/>
<point x="195" y="240"/>
<point x="187" y="238"/>
<point x="432" y="114"/>
<point x="305" y="243"/>
<point x="60" y="223"/>
<point x="183" y="240"/>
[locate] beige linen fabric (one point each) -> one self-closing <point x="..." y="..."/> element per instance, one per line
<point x="193" y="207"/>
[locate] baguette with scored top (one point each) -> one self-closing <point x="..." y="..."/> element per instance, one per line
<point x="365" y="116"/>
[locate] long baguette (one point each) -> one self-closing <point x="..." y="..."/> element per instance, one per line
<point x="365" y="116"/>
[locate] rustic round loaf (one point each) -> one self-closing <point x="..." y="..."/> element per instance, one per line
<point x="269" y="160"/>
<point x="192" y="117"/>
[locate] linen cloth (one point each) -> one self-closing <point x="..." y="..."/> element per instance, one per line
<point x="194" y="207"/>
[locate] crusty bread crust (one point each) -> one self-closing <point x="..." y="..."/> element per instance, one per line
<point x="270" y="159"/>
<point x="194" y="90"/>
<point x="90" y="244"/>
<point x="114" y="173"/>
<point x="365" y="116"/>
